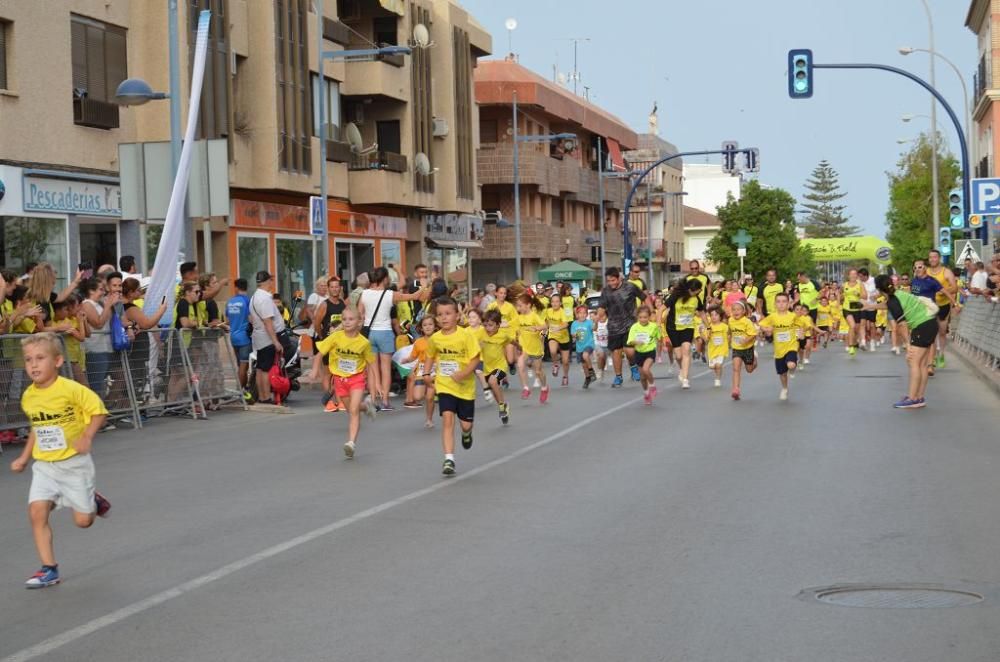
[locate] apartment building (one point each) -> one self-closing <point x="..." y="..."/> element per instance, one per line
<point x="983" y="19"/>
<point x="400" y="199"/>
<point x="656" y="226"/>
<point x="558" y="180"/>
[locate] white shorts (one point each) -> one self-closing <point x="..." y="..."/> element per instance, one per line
<point x="68" y="484"/>
<point x="601" y="348"/>
<point x="717" y="360"/>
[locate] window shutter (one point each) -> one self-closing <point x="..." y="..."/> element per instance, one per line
<point x="3" y="56"/>
<point x="78" y="38"/>
<point x="116" y="56"/>
<point x="96" y="76"/>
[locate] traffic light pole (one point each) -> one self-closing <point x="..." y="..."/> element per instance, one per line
<point x="951" y="113"/>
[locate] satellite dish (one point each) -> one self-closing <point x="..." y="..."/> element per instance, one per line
<point x="422" y="163"/>
<point x="421" y="36"/>
<point x="353" y="135"/>
<point x="511" y="23"/>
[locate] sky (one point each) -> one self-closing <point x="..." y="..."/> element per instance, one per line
<point x="716" y="69"/>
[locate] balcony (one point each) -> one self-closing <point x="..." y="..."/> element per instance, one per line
<point x="94" y="113"/>
<point x="384" y="77"/>
<point x="378" y="160"/>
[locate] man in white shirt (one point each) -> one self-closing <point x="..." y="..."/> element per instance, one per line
<point x="267" y="324"/>
<point x="868" y="316"/>
<point x="979" y="280"/>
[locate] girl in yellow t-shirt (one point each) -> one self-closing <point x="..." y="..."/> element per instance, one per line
<point x="824" y="320"/>
<point x="557" y="321"/>
<point x="419" y="385"/>
<point x="805" y="323"/>
<point x="742" y="338"/>
<point x="716" y="336"/>
<point x="508" y="318"/>
<point x="530" y="327"/>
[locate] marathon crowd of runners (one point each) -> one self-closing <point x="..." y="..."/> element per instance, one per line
<point x="380" y="338"/>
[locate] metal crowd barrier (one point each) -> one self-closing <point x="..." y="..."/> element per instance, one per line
<point x="164" y="372"/>
<point x="978" y="331"/>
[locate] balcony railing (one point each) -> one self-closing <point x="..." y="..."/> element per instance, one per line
<point x="378" y="160"/>
<point x="94" y="113"/>
<point x="980" y="83"/>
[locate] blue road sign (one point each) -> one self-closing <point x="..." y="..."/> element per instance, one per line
<point x="317" y="214"/>
<point x="985" y="196"/>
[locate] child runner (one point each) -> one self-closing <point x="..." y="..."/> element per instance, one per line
<point x="68" y="317"/>
<point x="742" y="337"/>
<point x="643" y="337"/>
<point x="824" y="319"/>
<point x="558" y="334"/>
<point x="805" y="323"/>
<point x="493" y="342"/>
<point x="717" y="338"/>
<point x="881" y="320"/>
<point x="601" y="341"/>
<point x="455" y="352"/>
<point x="683" y="314"/>
<point x="529" y="335"/>
<point x="582" y="330"/>
<point x="474" y="322"/>
<point x="780" y="325"/>
<point x="350" y="357"/>
<point x="423" y="382"/>
<point x="508" y="317"/>
<point x="65" y="416"/>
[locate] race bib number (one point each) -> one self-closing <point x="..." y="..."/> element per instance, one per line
<point x="718" y="340"/>
<point x="447" y="368"/>
<point x="686" y="319"/>
<point x="602" y="337"/>
<point x="739" y="340"/>
<point x="783" y="336"/>
<point x="824" y="319"/>
<point x="50" y="438"/>
<point x="350" y="366"/>
<point x="641" y="338"/>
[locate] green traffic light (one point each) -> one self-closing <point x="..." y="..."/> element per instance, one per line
<point x="801" y="86"/>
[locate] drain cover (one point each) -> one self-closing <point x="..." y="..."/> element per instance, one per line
<point x="914" y="596"/>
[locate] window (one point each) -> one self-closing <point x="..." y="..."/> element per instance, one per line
<point x="294" y="90"/>
<point x="385" y="32"/>
<point x="213" y="115"/>
<point x="99" y="65"/>
<point x="25" y="239"/>
<point x="4" y="29"/>
<point x="253" y="255"/>
<point x="488" y="131"/>
<point x="388" y="136"/>
<point x="332" y="91"/>
<point x="464" y="157"/>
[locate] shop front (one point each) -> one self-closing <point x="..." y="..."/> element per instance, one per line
<point x="275" y="237"/>
<point x="448" y="238"/>
<point x="61" y="217"/>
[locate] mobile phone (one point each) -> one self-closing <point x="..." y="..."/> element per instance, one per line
<point x="163" y="300"/>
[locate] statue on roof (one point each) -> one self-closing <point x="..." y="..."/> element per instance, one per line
<point x="654" y="122"/>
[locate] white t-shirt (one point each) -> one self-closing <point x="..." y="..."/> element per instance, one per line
<point x="870" y="288"/>
<point x="979" y="281"/>
<point x="100" y="338"/>
<point x="262" y="307"/>
<point x="383" y="316"/>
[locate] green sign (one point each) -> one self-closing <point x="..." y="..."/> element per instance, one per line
<point x="741" y="238"/>
<point x="847" y="249"/>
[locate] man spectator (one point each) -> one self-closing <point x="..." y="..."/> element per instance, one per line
<point x="421" y="277"/>
<point x="238" y="314"/>
<point x="489" y="297"/>
<point x="267" y="326"/>
<point x="393" y="274"/>
<point x="126" y="264"/>
<point x="978" y="280"/>
<point x="807" y="293"/>
<point x="694" y="268"/>
<point x="360" y="285"/>
<point x="619" y="298"/>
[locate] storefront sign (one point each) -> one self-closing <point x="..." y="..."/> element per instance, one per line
<point x="274" y="216"/>
<point x="454" y="227"/>
<point x="72" y="197"/>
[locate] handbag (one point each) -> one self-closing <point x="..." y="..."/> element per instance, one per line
<point x="367" y="328"/>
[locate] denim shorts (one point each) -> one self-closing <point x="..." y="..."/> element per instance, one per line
<point x="243" y="353"/>
<point x="383" y="342"/>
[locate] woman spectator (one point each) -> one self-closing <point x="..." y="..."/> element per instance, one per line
<point x="185" y="323"/>
<point x="375" y="308"/>
<point x="138" y="324"/>
<point x="209" y="366"/>
<point x="41" y="290"/>
<point x="97" y="309"/>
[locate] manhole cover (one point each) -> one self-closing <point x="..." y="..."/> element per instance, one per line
<point x="896" y="596"/>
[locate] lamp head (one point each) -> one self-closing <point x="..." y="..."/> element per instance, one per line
<point x="135" y="92"/>
<point x="906" y="50"/>
<point x="907" y="117"/>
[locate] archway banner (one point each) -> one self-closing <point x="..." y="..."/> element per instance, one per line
<point x="847" y="249"/>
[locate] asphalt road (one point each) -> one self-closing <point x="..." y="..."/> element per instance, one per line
<point x="593" y="528"/>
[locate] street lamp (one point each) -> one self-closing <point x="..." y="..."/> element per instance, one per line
<point x="909" y="117"/>
<point x="935" y="193"/>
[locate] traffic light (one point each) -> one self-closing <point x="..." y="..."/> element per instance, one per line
<point x="800" y="73"/>
<point x="956" y="208"/>
<point x="752" y="159"/>
<point x="729" y="153"/>
<point x="975" y="221"/>
<point x="944" y="241"/>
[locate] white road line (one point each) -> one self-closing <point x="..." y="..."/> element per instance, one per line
<point x="119" y="615"/>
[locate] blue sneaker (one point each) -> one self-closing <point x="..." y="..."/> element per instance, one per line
<point x="635" y="373"/>
<point x="906" y="403"/>
<point x="47" y="576"/>
<point x="919" y="402"/>
<point x="618" y="382"/>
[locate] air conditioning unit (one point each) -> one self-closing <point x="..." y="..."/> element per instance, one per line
<point x="440" y="129"/>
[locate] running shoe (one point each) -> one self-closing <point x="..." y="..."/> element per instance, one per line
<point x="635" y="373"/>
<point x="685" y="383"/>
<point x="565" y="381"/>
<point x="600" y="375"/>
<point x="939" y="361"/>
<point x="448" y="468"/>
<point x="505" y="383"/>
<point x="718" y="383"/>
<point x="618" y="382"/>
<point x="466" y="439"/>
<point x="555" y="369"/>
<point x="919" y="403"/>
<point x="783" y="395"/>
<point x="370" y="410"/>
<point x="587" y="380"/>
<point x="895" y="350"/>
<point x="103" y="505"/>
<point x="386" y="406"/>
<point x="513" y="368"/>
<point x="906" y="403"/>
<point x="505" y="413"/>
<point x="704" y="359"/>
<point x="412" y="405"/>
<point x="805" y="361"/>
<point x="736" y="394"/>
<point x="652" y="393"/>
<point x="488" y="395"/>
<point x="852" y="350"/>
<point x="647" y="399"/>
<point x="349" y="449"/>
<point x="871" y="346"/>
<point x="525" y="393"/>
<point x="330" y="407"/>
<point x="47" y="576"/>
<point x="543" y="395"/>
<point x="429" y="424"/>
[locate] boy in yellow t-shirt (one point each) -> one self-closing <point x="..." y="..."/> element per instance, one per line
<point x="455" y="352"/>
<point x="804" y="322"/>
<point x="493" y="342"/>
<point x="716" y="335"/>
<point x="781" y="326"/>
<point x="351" y="356"/>
<point x="824" y="319"/>
<point x="64" y="417"/>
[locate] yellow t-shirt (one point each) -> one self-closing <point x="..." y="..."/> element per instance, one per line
<point x="852" y="296"/>
<point x="786" y="332"/>
<point x="492" y="348"/>
<point x="742" y="333"/>
<point x="804" y="322"/>
<point x="686" y="313"/>
<point x="718" y="340"/>
<point x="453" y="352"/>
<point x="942" y="277"/>
<point x="555" y="318"/>
<point x="348" y="356"/>
<point x="73" y="350"/>
<point x="507" y="312"/>
<point x="643" y="337"/>
<point x="881" y="316"/>
<point x="529" y="339"/>
<point x="823" y="317"/>
<point x="59" y="414"/>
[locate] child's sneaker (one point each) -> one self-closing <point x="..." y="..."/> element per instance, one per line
<point x="635" y="373"/>
<point x="587" y="380"/>
<point x="647" y="398"/>
<point x="349" y="449"/>
<point x="103" y="505"/>
<point x="736" y="394"/>
<point x="448" y="468"/>
<point x="652" y="394"/>
<point x="525" y="393"/>
<point x="783" y="395"/>
<point x="370" y="409"/>
<point x="505" y="413"/>
<point x="537" y="383"/>
<point x="543" y="395"/>
<point x="330" y="407"/>
<point x="718" y="383"/>
<point x="488" y="395"/>
<point x="466" y="439"/>
<point x="565" y="381"/>
<point x="47" y="576"/>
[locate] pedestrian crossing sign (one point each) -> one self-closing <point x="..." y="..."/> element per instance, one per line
<point x="968" y="249"/>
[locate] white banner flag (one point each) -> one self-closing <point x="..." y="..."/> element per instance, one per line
<point x="165" y="274"/>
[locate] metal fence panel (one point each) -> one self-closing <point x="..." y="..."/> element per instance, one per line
<point x="215" y="369"/>
<point x="978" y="330"/>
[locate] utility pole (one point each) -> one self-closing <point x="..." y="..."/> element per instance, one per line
<point x="935" y="194"/>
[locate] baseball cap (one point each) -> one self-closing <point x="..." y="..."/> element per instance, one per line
<point x="263" y="276"/>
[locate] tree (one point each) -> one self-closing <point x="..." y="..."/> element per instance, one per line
<point x="910" y="215"/>
<point x="768" y="215"/>
<point x="824" y="217"/>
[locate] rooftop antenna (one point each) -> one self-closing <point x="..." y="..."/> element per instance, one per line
<point x="576" y="72"/>
<point x="511" y="25"/>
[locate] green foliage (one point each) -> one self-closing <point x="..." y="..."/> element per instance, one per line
<point x="25" y="240"/>
<point x="910" y="215"/>
<point x="824" y="217"/>
<point x="769" y="216"/>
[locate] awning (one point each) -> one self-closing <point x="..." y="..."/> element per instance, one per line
<point x="615" y="150"/>
<point x="453" y="243"/>
<point x="395" y="6"/>
<point x="566" y="270"/>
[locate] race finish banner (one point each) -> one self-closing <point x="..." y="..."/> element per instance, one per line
<point x="849" y="249"/>
<point x="163" y="281"/>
